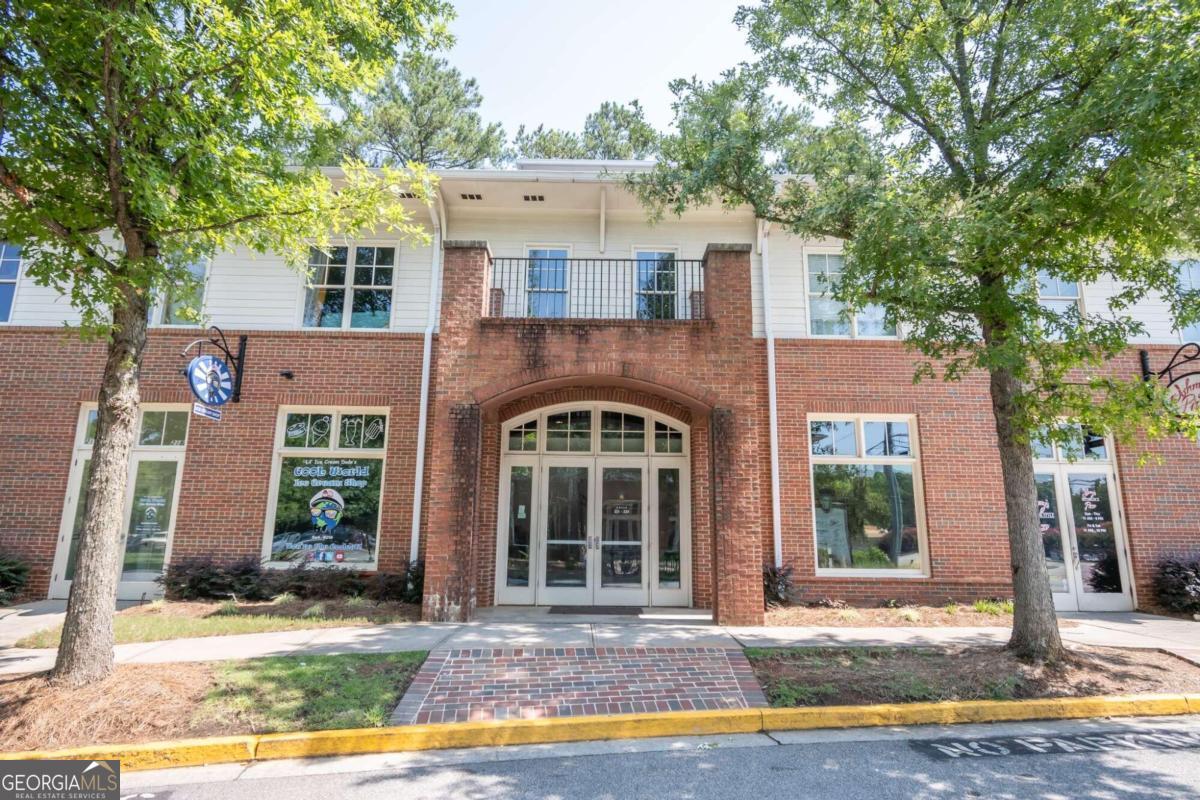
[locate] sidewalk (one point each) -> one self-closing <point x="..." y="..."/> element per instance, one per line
<point x="1180" y="637"/>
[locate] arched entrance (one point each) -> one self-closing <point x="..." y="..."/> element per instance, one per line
<point x="594" y="508"/>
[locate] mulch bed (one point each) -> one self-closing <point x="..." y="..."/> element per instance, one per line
<point x="906" y="617"/>
<point x="860" y="675"/>
<point x="331" y="609"/>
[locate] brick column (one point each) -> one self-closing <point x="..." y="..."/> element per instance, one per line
<point x="738" y="440"/>
<point x="455" y="438"/>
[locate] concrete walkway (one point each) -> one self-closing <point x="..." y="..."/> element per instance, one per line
<point x="1181" y="637"/>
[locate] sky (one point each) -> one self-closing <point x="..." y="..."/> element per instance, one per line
<point x="546" y="62"/>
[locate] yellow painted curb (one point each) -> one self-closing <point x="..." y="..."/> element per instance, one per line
<point x="506" y="732"/>
<point x="782" y="719"/>
<point x="157" y="755"/>
<point x="195" y="752"/>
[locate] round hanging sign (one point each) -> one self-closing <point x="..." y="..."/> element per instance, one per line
<point x="210" y="380"/>
<point x="1184" y="393"/>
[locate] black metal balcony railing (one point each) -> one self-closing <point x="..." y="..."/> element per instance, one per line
<point x="596" y="288"/>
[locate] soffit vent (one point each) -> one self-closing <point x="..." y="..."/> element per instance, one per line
<point x="471" y="196"/>
<point x="408" y="196"/>
<point x="535" y="198"/>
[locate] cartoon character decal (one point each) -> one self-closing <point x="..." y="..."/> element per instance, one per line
<point x="326" y="508"/>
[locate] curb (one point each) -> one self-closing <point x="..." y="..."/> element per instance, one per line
<point x="262" y="747"/>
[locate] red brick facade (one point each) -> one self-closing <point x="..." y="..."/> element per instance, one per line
<point x="708" y="374"/>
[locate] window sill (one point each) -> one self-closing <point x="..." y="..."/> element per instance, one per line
<point x="902" y="574"/>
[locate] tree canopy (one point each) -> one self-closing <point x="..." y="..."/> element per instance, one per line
<point x="970" y="153"/>
<point x="139" y="136"/>
<point x="614" y="131"/>
<point x="423" y="111"/>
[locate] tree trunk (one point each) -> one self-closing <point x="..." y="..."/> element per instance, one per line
<point x="86" y="651"/>
<point x="1035" y="627"/>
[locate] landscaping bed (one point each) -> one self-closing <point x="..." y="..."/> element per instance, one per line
<point x="149" y="702"/>
<point x="826" y="676"/>
<point x="158" y="621"/>
<point x="982" y="613"/>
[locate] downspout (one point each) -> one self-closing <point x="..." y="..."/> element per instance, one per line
<point x="764" y="239"/>
<point x="436" y="215"/>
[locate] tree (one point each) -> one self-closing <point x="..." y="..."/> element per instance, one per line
<point x="137" y="136"/>
<point x="614" y="131"/>
<point x="423" y="111"/>
<point x="974" y="149"/>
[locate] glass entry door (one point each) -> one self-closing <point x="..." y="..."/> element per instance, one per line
<point x="151" y="497"/>
<point x="593" y="539"/>
<point x="1082" y="539"/>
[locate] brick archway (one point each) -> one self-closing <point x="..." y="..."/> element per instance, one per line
<point x="544" y="394"/>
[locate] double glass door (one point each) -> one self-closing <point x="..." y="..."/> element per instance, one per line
<point x="593" y="531"/>
<point x="1082" y="538"/>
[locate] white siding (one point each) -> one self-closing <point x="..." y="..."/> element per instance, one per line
<point x="252" y="290"/>
<point x="39" y="305"/>
<point x="1151" y="310"/>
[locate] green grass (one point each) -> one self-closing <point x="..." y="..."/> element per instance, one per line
<point x="787" y="693"/>
<point x="994" y="607"/>
<point x="155" y="628"/>
<point x="309" y="693"/>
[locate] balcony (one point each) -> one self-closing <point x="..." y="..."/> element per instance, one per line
<point x="662" y="288"/>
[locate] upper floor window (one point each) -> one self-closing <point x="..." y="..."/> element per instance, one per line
<point x="10" y="267"/>
<point x="1056" y="294"/>
<point x="827" y="316"/>
<point x="350" y="295"/>
<point x="182" y="303"/>
<point x="546" y="281"/>
<point x="1189" y="280"/>
<point x="657" y="284"/>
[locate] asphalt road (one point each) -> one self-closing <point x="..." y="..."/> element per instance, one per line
<point x="1106" y="760"/>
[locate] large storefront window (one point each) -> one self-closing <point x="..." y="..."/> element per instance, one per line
<point x="328" y="484"/>
<point x="866" y="494"/>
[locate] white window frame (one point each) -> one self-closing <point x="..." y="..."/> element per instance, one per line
<point x="162" y="298"/>
<point x="913" y="459"/>
<point x="280" y="452"/>
<point x="81" y="451"/>
<point x="15" y="281"/>
<point x="1077" y="298"/>
<point x="806" y="253"/>
<point x="1184" y="336"/>
<point x="594" y="450"/>
<point x="567" y="278"/>
<point x="650" y="248"/>
<point x="349" y="287"/>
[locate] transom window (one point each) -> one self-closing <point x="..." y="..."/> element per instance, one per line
<point x="622" y="433"/>
<point x="1189" y="280"/>
<point x="1080" y="444"/>
<point x="10" y="268"/>
<point x="158" y="428"/>
<point x="597" y="429"/>
<point x="657" y="284"/>
<point x="866" y="494"/>
<point x="364" y="285"/>
<point x="546" y="282"/>
<point x="827" y="316"/>
<point x="315" y="430"/>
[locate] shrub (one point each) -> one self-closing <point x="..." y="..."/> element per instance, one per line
<point x="777" y="584"/>
<point x="1177" y="584"/>
<point x="330" y="583"/>
<point x="14" y="574"/>
<point x="209" y="579"/>
<point x="994" y="606"/>
<point x="388" y="587"/>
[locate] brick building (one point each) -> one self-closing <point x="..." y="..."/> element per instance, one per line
<point x="553" y="401"/>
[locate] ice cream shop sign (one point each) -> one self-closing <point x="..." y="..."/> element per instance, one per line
<point x="1182" y="376"/>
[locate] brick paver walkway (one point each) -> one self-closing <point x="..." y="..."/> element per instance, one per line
<point x="464" y="685"/>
